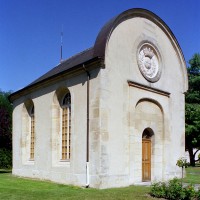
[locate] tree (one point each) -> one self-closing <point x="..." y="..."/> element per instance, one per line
<point x="5" y="131"/>
<point x="182" y="162"/>
<point x="192" y="109"/>
<point x="5" y="121"/>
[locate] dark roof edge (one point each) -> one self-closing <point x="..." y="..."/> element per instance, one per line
<point x="106" y="31"/>
<point x="76" y="68"/>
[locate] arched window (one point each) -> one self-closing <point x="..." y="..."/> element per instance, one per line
<point x="66" y="126"/>
<point x="32" y="140"/>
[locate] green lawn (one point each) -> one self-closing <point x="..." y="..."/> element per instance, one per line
<point x="15" y="188"/>
<point x="192" y="175"/>
<point x="25" y="189"/>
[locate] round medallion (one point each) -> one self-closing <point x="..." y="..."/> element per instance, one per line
<point x="149" y="63"/>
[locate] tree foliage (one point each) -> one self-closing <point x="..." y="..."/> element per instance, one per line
<point x="192" y="108"/>
<point x="5" y="131"/>
<point x="5" y="121"/>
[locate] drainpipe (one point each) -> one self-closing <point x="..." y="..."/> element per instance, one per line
<point x="87" y="137"/>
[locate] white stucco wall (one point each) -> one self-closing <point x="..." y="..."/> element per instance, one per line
<point x="118" y="102"/>
<point x="46" y="165"/>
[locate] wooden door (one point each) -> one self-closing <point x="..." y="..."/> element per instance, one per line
<point x="146" y="159"/>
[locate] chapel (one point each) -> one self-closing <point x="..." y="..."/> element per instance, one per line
<point x="110" y="116"/>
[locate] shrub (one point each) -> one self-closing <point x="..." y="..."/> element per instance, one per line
<point x="198" y="194"/>
<point x="158" y="190"/>
<point x="5" y="158"/>
<point x="189" y="192"/>
<point x="173" y="190"/>
<point x="182" y="162"/>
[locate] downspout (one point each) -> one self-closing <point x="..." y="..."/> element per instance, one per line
<point x="87" y="137"/>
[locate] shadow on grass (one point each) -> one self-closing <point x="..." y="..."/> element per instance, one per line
<point x="3" y="171"/>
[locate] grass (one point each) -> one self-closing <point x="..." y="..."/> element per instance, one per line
<point x="192" y="175"/>
<point x="15" y="188"/>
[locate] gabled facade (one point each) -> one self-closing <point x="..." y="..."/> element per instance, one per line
<point x="110" y="116"/>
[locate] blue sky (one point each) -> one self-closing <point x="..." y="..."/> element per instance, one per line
<point x="30" y="31"/>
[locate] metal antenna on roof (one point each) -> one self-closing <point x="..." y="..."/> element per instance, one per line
<point x="61" y="41"/>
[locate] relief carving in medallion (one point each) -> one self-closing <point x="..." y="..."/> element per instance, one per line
<point x="148" y="63"/>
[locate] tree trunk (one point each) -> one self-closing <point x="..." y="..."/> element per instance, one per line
<point x="192" y="159"/>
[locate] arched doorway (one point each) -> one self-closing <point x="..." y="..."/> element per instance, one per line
<point x="146" y="154"/>
<point x="149" y="126"/>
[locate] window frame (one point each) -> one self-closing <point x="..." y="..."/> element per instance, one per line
<point x="32" y="134"/>
<point x="65" y="146"/>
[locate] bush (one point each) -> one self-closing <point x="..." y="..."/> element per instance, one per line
<point x="5" y="158"/>
<point x="189" y="192"/>
<point x="198" y="194"/>
<point x="158" y="190"/>
<point x="174" y="190"/>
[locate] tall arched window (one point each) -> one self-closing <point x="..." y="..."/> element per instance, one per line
<point x="32" y="140"/>
<point x="66" y="126"/>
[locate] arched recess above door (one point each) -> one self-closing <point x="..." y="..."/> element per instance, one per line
<point x="150" y="100"/>
<point x="149" y="129"/>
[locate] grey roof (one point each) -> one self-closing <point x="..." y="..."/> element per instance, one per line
<point x="98" y="50"/>
<point x="65" y="65"/>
